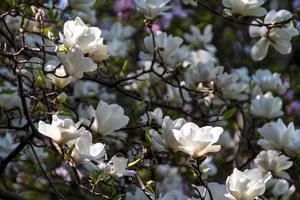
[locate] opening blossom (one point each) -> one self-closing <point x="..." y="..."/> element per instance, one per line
<point x="77" y="33"/>
<point x="107" y="118"/>
<point x="61" y="130"/>
<point x="167" y="46"/>
<point x="117" y="167"/>
<point x="277" y="35"/>
<point x="85" y="149"/>
<point x="270" y="82"/>
<point x="197" y="141"/>
<point x="278" y="136"/>
<point x="199" y="39"/>
<point x="266" y="106"/>
<point x="152" y="8"/>
<point x="245" y="7"/>
<point x="246" y="185"/>
<point x="75" y="63"/>
<point x="58" y="76"/>
<point x="167" y="139"/>
<point x="273" y="161"/>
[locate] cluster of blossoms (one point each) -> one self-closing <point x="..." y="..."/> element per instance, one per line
<point x="205" y="115"/>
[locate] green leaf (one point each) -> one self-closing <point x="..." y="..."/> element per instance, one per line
<point x="148" y="137"/>
<point x="133" y="163"/>
<point x="124" y="68"/>
<point x="69" y="152"/>
<point x="229" y="113"/>
<point x="41" y="78"/>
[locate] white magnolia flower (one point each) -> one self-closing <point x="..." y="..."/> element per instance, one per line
<point x="157" y="115"/>
<point x="243" y="74"/>
<point x="218" y="191"/>
<point x="58" y="75"/>
<point x="277" y="36"/>
<point x="85" y="149"/>
<point x="231" y="87"/>
<point x="75" y="63"/>
<point x="83" y="5"/>
<point x="270" y="82"/>
<point x="199" y="39"/>
<point x="118" y="31"/>
<point x="7" y="145"/>
<point x="246" y="185"/>
<point x="266" y="106"/>
<point x="245" y="7"/>
<point x="61" y="130"/>
<point x="281" y="189"/>
<point x="152" y="8"/>
<point x="166" y="45"/>
<point x="278" y="137"/>
<point x="197" y="141"/>
<point x="117" y="48"/>
<point x="168" y="140"/>
<point x="117" y="167"/>
<point x="78" y="35"/>
<point x="107" y="118"/>
<point x="273" y="161"/>
<point x="181" y="55"/>
<point x="203" y="67"/>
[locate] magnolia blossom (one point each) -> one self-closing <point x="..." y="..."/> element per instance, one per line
<point x="245" y="7"/>
<point x="201" y="39"/>
<point x="75" y="63"/>
<point x="58" y="75"/>
<point x="61" y="130"/>
<point x="181" y="55"/>
<point x="270" y="82"/>
<point x="85" y="149"/>
<point x="107" y="118"/>
<point x="117" y="167"/>
<point x="197" y="141"/>
<point x="168" y="140"/>
<point x="152" y="8"/>
<point x="78" y="35"/>
<point x="218" y="191"/>
<point x="203" y="67"/>
<point x="278" y="136"/>
<point x="272" y="161"/>
<point x="231" y="87"/>
<point x="246" y="185"/>
<point x="281" y="189"/>
<point x="156" y="115"/>
<point x="166" y="45"/>
<point x="266" y="106"/>
<point x="277" y="36"/>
